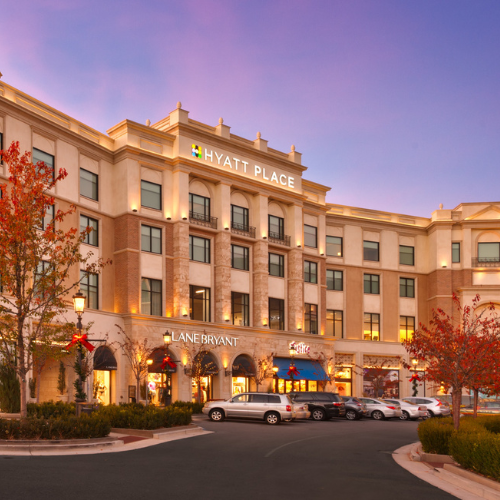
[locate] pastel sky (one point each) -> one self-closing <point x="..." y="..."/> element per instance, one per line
<point x="394" y="104"/>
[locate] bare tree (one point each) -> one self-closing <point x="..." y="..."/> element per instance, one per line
<point x="263" y="368"/>
<point x="325" y="368"/>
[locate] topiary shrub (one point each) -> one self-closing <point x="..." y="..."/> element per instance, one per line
<point x="10" y="393"/>
<point x="194" y="407"/>
<point x="479" y="452"/>
<point x="51" y="409"/>
<point x="435" y="434"/>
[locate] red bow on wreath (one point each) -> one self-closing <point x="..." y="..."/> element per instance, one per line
<point x="414" y="377"/>
<point x="293" y="370"/>
<point x="167" y="361"/>
<point x="82" y="339"/>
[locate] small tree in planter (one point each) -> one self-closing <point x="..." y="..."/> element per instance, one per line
<point x="263" y="369"/>
<point x="61" y="382"/>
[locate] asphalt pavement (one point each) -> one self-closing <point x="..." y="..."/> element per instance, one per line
<point x="239" y="460"/>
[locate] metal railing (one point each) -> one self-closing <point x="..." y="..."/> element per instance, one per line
<point x="281" y="239"/>
<point x="242" y="229"/>
<point x="203" y="220"/>
<point x="485" y="262"/>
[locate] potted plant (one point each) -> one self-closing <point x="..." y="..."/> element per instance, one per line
<point x="61" y="383"/>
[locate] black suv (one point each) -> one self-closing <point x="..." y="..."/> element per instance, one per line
<point x="322" y="405"/>
<point x="354" y="408"/>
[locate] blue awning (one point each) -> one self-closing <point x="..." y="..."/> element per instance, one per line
<point x="307" y="368"/>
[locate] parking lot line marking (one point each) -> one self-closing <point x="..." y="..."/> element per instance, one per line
<point x="291" y="442"/>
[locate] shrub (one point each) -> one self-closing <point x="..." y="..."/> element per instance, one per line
<point x="479" y="452"/>
<point x="65" y="427"/>
<point x="490" y="422"/>
<point x="51" y="409"/>
<point x="10" y="393"/>
<point x="137" y="416"/>
<point x="194" y="407"/>
<point x="435" y="434"/>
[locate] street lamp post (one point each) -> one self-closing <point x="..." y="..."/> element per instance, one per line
<point x="292" y="363"/>
<point x="167" y="339"/>
<point x="414" y="377"/>
<point x="79" y="307"/>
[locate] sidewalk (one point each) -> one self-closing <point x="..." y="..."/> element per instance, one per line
<point x="446" y="476"/>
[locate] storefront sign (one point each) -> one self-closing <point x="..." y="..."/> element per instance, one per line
<point x="239" y="165"/>
<point x="202" y="338"/>
<point x="300" y="348"/>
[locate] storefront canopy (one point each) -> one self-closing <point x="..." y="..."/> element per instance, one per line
<point x="104" y="359"/>
<point x="243" y="366"/>
<point x="158" y="355"/>
<point x="307" y="368"/>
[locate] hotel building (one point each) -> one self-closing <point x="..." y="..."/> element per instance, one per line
<point x="222" y="241"/>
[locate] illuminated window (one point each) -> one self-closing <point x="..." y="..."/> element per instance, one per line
<point x="335" y="323"/>
<point x="406" y="327"/>
<point x="371" y="327"/>
<point x="334" y="246"/>
<point x="199" y="303"/>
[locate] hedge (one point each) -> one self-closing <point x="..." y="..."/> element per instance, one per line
<point x="65" y="427"/>
<point x="475" y="446"/>
<point x="137" y="416"/>
<point x="194" y="407"/>
<point x="51" y="409"/>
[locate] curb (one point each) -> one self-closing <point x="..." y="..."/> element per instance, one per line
<point x="59" y="445"/>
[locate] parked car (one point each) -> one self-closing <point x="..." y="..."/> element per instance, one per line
<point x="355" y="409"/>
<point x="379" y="410"/>
<point x="486" y="407"/>
<point x="410" y="411"/>
<point x="322" y="405"/>
<point x="435" y="407"/>
<point x="272" y="408"/>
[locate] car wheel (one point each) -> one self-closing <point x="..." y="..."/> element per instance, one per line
<point x="430" y="414"/>
<point x="272" y="418"/>
<point x="216" y="415"/>
<point x="404" y="416"/>
<point x="318" y="414"/>
<point x="351" y="415"/>
<point x="378" y="415"/>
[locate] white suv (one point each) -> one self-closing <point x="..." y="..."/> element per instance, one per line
<point x="435" y="407"/>
<point x="272" y="408"/>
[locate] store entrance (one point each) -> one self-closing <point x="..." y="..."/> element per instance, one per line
<point x="104" y="365"/>
<point x="204" y="389"/>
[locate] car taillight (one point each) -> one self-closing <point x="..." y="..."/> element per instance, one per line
<point x="391" y="407"/>
<point x="439" y="403"/>
<point x="337" y="404"/>
<point x="288" y="408"/>
<point x="421" y="408"/>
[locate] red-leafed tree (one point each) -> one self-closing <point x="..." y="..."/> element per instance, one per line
<point x="458" y="354"/>
<point x="39" y="256"/>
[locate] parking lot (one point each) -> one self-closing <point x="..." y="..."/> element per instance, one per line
<point x="240" y="459"/>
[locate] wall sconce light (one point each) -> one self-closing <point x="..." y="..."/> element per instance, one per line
<point x="264" y="323"/>
<point x="169" y="218"/>
<point x="184" y="315"/>
<point x="443" y="266"/>
<point x="299" y="329"/>
<point x="227" y="320"/>
<point x="264" y="237"/>
<point x="187" y="370"/>
<point x="322" y="254"/>
<point x="134" y="210"/>
<point x="184" y="218"/>
<point x="299" y="246"/>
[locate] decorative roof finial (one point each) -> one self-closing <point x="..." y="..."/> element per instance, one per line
<point x="293" y="148"/>
<point x="440" y="206"/>
<point x="258" y="135"/>
<point x="148" y="122"/>
<point x="221" y="121"/>
<point x="179" y="105"/>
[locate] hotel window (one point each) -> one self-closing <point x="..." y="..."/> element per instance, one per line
<point x="199" y="303"/>
<point x="488" y="252"/>
<point x="310" y="236"/>
<point x="89" y="184"/>
<point x="407" y="287"/>
<point x="239" y="218"/>
<point x="150" y="195"/>
<point x="91" y="238"/>
<point x="310" y="272"/>
<point x="371" y="251"/>
<point x="335" y="324"/>
<point x="239" y="257"/>
<point x="277" y="265"/>
<point x="48" y="218"/>
<point x="199" y="207"/>
<point x="455" y="252"/>
<point x="151" y="297"/>
<point x="39" y="155"/>
<point x="240" y="308"/>
<point x="334" y="280"/>
<point x="406" y="327"/>
<point x="199" y="249"/>
<point x="371" y="327"/>
<point x="334" y="246"/>
<point x="371" y="283"/>
<point x="276" y="314"/>
<point x="39" y="282"/>
<point x="276" y="227"/>
<point x="89" y="286"/>
<point x="406" y="255"/>
<point x="150" y="239"/>
<point x="311" y="318"/>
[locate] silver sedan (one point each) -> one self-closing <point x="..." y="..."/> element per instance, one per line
<point x="410" y="411"/>
<point x="379" y="410"/>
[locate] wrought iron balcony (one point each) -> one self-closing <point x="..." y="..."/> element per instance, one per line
<point x="203" y="220"/>
<point x="486" y="262"/>
<point x="242" y="229"/>
<point x="281" y="239"/>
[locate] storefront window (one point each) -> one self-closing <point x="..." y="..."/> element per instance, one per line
<point x="343" y="381"/>
<point x="102" y="386"/>
<point x="284" y="386"/>
<point x="205" y="389"/>
<point x="380" y="383"/>
<point x="240" y="384"/>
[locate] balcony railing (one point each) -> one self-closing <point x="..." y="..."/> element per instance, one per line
<point x="281" y="239"/>
<point x="486" y="262"/>
<point x="242" y="229"/>
<point x="203" y="220"/>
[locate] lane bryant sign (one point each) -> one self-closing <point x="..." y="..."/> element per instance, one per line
<point x="202" y="338"/>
